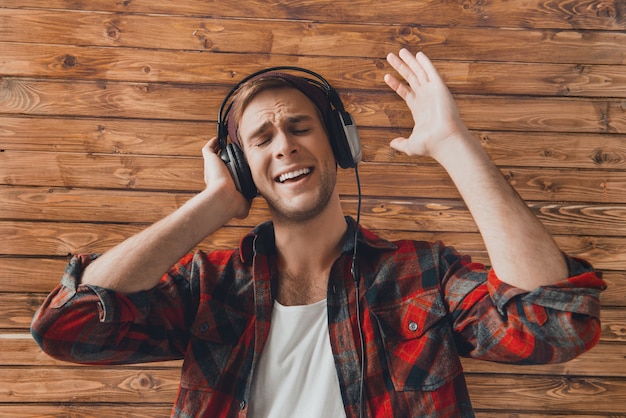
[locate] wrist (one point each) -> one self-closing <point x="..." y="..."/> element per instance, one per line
<point x="455" y="147"/>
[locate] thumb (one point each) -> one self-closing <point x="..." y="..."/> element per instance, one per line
<point x="400" y="144"/>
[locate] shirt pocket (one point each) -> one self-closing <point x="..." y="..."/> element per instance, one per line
<point x="419" y="343"/>
<point x="214" y="351"/>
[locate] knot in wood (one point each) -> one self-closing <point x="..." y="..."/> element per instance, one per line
<point x="603" y="157"/>
<point x="69" y="61"/>
<point x="113" y="32"/>
<point x="141" y="382"/>
<point x="606" y="10"/>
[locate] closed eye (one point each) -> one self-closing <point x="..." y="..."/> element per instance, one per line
<point x="263" y="141"/>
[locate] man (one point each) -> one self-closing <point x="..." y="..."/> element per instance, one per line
<point x="272" y="329"/>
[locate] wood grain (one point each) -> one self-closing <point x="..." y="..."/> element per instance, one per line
<point x="88" y="410"/>
<point x="105" y="106"/>
<point x="96" y="63"/>
<point x="603" y="360"/>
<point x="182" y="174"/>
<point x="60" y="239"/>
<point x="544" y="394"/>
<point x="415" y="214"/>
<point x="89" y="384"/>
<point x="180" y="138"/>
<point x="292" y="37"/>
<point x="370" y="109"/>
<point x="590" y="14"/>
<point x="151" y="385"/>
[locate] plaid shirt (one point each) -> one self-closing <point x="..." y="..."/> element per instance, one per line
<point x="423" y="305"/>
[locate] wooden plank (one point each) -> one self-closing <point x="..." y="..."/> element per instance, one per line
<point x="89" y="384"/>
<point x="119" y="64"/>
<point x="64" y="239"/>
<point x="105" y="136"/>
<point x="126" y="100"/>
<point x="555" y="150"/>
<point x="30" y="274"/>
<point x="36" y="274"/>
<point x="417" y="214"/>
<point x="59" y="239"/>
<point x="542" y="84"/>
<point x="542" y="394"/>
<point x="184" y="138"/>
<point x="374" y="109"/>
<point x="180" y="174"/>
<point x="87" y="410"/>
<point x="616" y="290"/>
<point x="103" y="384"/>
<point x="20" y="349"/>
<point x="41" y="275"/>
<point x="18" y="310"/>
<point x="507" y="413"/>
<point x="607" y="360"/>
<point x="613" y="325"/>
<point x="305" y="38"/>
<point x="188" y="67"/>
<point x="603" y="15"/>
<point x="603" y="253"/>
<point x="91" y="205"/>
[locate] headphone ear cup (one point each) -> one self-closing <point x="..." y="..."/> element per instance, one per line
<point x="344" y="139"/>
<point x="239" y="170"/>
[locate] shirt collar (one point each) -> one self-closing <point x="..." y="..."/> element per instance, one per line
<point x="261" y="240"/>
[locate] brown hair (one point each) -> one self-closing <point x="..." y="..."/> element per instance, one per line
<point x="274" y="81"/>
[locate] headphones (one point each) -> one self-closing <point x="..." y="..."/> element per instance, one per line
<point x="342" y="131"/>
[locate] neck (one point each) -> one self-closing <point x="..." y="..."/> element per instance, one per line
<point x="306" y="254"/>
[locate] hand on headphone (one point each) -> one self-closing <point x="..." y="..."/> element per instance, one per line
<point x="434" y="111"/>
<point x="217" y="176"/>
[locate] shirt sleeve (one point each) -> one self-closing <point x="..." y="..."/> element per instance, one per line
<point x="90" y="324"/>
<point x="498" y="322"/>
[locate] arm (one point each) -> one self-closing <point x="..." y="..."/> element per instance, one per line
<point x="521" y="250"/>
<point x="139" y="262"/>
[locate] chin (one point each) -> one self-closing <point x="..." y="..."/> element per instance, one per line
<point x="298" y="211"/>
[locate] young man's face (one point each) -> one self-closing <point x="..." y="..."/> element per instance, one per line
<point x="289" y="154"/>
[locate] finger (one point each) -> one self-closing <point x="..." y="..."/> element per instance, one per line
<point x="427" y="66"/>
<point x="415" y="65"/>
<point x="404" y="70"/>
<point x="211" y="147"/>
<point x="397" y="86"/>
<point x="399" y="144"/>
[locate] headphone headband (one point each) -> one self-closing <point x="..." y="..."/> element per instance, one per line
<point x="298" y="82"/>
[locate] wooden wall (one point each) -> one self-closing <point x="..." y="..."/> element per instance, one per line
<point x="105" y="105"/>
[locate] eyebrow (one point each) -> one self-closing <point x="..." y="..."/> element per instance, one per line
<point x="290" y="119"/>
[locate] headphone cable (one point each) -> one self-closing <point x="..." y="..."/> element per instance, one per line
<point x="356" y="277"/>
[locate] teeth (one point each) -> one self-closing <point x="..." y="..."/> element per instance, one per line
<point x="292" y="175"/>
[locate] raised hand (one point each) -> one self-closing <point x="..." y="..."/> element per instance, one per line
<point x="434" y="111"/>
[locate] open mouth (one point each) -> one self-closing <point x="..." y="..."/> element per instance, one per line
<point x="293" y="175"/>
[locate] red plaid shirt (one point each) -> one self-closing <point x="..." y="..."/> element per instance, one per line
<point x="423" y="305"/>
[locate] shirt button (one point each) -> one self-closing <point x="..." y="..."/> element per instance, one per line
<point x="413" y="326"/>
<point x="204" y="327"/>
<point x="242" y="405"/>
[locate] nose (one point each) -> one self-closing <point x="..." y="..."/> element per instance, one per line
<point x="284" y="144"/>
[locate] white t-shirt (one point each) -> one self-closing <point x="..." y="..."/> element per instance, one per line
<point x="296" y="374"/>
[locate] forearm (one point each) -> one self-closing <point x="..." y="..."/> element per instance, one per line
<point x="521" y="250"/>
<point x="139" y="262"/>
<point x="94" y="325"/>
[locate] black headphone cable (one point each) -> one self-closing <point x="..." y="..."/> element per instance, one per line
<point x="357" y="282"/>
